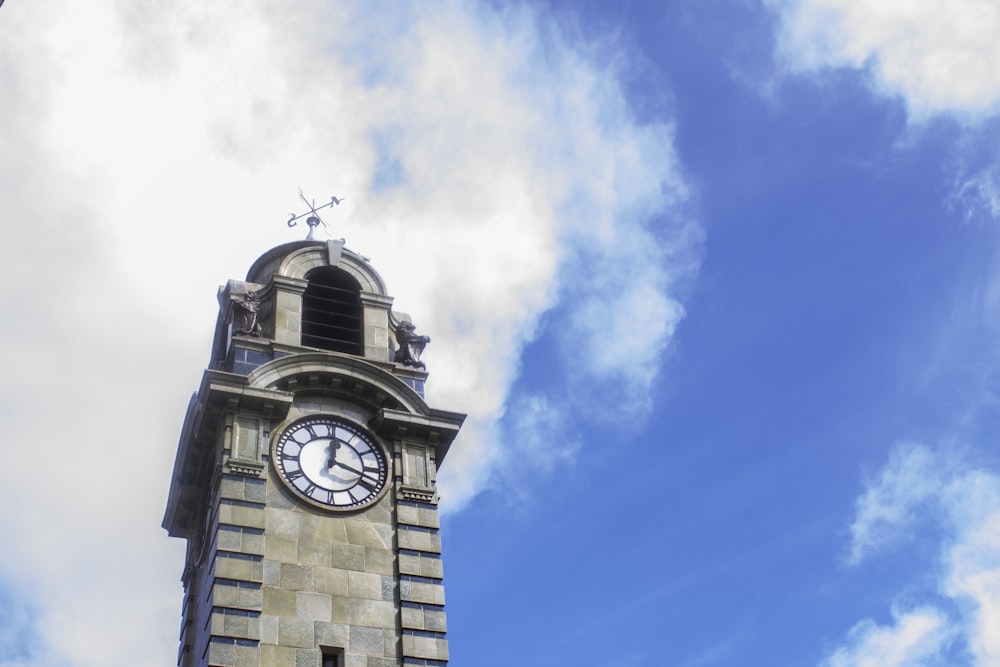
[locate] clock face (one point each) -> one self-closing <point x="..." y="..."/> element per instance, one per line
<point x="331" y="462"/>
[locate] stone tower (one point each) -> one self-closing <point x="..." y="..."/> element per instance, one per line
<point x="304" y="481"/>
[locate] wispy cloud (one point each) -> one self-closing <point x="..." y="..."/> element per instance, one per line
<point x="17" y="635"/>
<point x="916" y="637"/>
<point x="937" y="59"/>
<point x="972" y="561"/>
<point x="977" y="190"/>
<point x="902" y="495"/>
<point x="937" y="494"/>
<point x="542" y="437"/>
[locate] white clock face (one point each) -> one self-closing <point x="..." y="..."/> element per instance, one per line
<point x="331" y="462"/>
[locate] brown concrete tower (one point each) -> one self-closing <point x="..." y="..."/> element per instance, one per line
<point x="304" y="482"/>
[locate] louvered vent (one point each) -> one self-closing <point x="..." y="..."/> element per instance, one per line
<point x="331" y="312"/>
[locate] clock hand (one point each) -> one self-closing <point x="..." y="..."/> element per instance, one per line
<point x="345" y="466"/>
<point x="332" y="461"/>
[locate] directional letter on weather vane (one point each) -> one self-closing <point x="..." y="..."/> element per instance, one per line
<point x="313" y="220"/>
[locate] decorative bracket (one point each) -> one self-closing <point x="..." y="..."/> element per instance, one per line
<point x="416" y="494"/>
<point x="245" y="467"/>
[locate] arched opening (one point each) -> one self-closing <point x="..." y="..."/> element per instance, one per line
<point x="331" y="312"/>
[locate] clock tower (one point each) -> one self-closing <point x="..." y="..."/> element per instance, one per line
<point x="304" y="481"/>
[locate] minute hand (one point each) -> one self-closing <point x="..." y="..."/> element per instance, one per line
<point x="335" y="462"/>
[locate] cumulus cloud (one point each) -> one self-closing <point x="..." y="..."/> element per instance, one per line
<point x="938" y="55"/>
<point x="151" y="151"/>
<point x="959" y="503"/>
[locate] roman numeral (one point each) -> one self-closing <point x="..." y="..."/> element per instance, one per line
<point x="369" y="481"/>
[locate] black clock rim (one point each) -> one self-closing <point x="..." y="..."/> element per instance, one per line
<point x="381" y="453"/>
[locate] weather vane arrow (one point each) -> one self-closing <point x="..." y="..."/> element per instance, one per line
<point x="312" y="217"/>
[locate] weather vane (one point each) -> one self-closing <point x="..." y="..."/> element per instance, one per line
<point x="313" y="220"/>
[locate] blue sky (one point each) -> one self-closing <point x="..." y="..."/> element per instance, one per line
<point x="716" y="281"/>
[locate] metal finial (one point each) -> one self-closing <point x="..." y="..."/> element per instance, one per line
<point x="313" y="219"/>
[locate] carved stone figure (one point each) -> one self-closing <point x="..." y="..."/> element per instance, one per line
<point x="411" y="346"/>
<point x="245" y="314"/>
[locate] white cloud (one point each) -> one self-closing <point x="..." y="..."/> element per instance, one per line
<point x="973" y="560"/>
<point x="978" y="193"/>
<point x="915" y="639"/>
<point x="897" y="500"/>
<point x="623" y="317"/>
<point x="151" y="151"/>
<point x="540" y="437"/>
<point x="939" y="55"/>
<point x="958" y="504"/>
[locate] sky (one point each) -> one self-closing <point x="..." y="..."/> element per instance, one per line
<point x="716" y="281"/>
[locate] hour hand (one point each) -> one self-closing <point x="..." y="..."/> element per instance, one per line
<point x="332" y="461"/>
